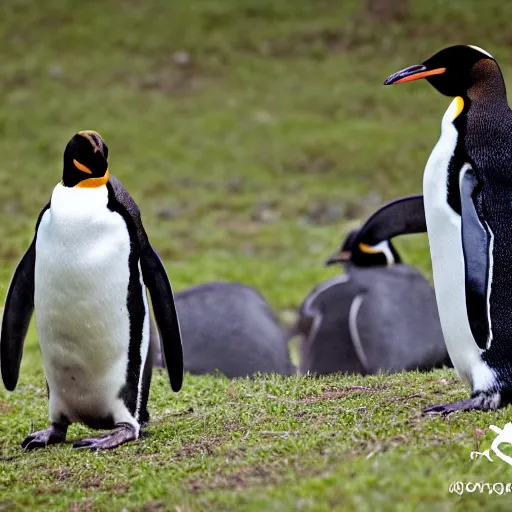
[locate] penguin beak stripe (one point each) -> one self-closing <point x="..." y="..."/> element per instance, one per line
<point x="339" y="258"/>
<point x="413" y="73"/>
<point x="82" y="167"/>
<point x="424" y="74"/>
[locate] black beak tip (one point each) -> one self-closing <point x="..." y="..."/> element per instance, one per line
<point x="411" y="70"/>
<point x="330" y="261"/>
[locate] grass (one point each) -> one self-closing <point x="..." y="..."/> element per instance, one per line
<point x="253" y="134"/>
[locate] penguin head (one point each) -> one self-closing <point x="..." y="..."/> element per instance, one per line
<point x="364" y="255"/>
<point x="452" y="71"/>
<point x="345" y="253"/>
<point x="85" y="161"/>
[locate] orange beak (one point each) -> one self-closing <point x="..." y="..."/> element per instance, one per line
<point x="411" y="73"/>
<point x="339" y="257"/>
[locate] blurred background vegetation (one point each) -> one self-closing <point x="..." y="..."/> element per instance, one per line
<point x="252" y="133"/>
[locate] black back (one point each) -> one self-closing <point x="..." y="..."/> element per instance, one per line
<point x="157" y="282"/>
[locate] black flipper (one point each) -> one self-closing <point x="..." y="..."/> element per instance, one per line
<point x="156" y="280"/>
<point x="19" y="306"/>
<point x="475" y="245"/>
<point x="403" y="216"/>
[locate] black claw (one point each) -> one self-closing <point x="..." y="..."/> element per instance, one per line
<point x="27" y="441"/>
<point x="54" y="434"/>
<point x="479" y="402"/>
<point x="434" y="409"/>
<point x="32" y="445"/>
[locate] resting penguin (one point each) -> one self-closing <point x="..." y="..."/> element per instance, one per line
<point x="467" y="189"/>
<point x="231" y="328"/>
<point x="86" y="273"/>
<point x="379" y="315"/>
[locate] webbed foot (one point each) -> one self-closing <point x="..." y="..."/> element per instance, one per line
<point x="123" y="434"/>
<point x="479" y="402"/>
<point x="54" y="434"/>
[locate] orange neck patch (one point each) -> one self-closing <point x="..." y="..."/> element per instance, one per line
<point x="95" y="182"/>
<point x="368" y="249"/>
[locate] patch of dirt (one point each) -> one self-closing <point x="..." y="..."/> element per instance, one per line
<point x="81" y="506"/>
<point x="241" y="479"/>
<point x="204" y="446"/>
<point x="332" y="394"/>
<point x="156" y="506"/>
<point x="119" y="487"/>
<point x="93" y="482"/>
<point x="61" y="475"/>
<point x="335" y="394"/>
<point x="5" y="407"/>
<point x="46" y="490"/>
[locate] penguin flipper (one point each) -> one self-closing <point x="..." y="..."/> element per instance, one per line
<point x="19" y="306"/>
<point x="475" y="244"/>
<point x="164" y="308"/>
<point x="403" y="216"/>
<point x="156" y="280"/>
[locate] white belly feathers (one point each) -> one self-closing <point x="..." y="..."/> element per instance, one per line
<point x="445" y="239"/>
<point x="81" y="284"/>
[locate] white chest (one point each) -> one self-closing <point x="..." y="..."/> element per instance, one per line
<point x="445" y="239"/>
<point x="81" y="284"/>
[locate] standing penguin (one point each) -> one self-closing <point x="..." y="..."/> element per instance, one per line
<point x="379" y="315"/>
<point x="467" y="189"/>
<point x="85" y="274"/>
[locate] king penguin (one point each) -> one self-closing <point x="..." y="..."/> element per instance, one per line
<point x="85" y="274"/>
<point x="230" y="328"/>
<point x="380" y="315"/>
<point x="467" y="188"/>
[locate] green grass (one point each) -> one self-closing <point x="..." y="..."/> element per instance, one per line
<point x="250" y="160"/>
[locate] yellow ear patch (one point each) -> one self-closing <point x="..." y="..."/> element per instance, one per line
<point x="458" y="106"/>
<point x="454" y="109"/>
<point x="368" y="249"/>
<point x="82" y="167"/>
<point x="95" y="182"/>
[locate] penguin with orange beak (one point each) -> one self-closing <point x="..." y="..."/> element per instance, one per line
<point x="381" y="314"/>
<point x="467" y="189"/>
